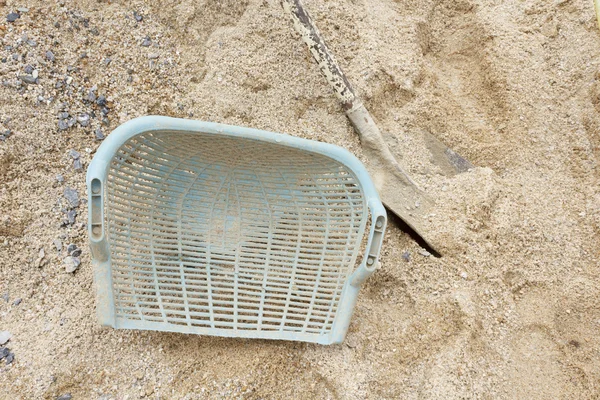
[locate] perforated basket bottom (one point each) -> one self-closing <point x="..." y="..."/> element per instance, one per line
<point x="227" y="233"/>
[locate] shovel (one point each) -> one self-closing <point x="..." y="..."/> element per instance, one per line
<point x="399" y="193"/>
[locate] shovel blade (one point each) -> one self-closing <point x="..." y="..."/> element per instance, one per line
<point x="441" y="158"/>
<point x="404" y="199"/>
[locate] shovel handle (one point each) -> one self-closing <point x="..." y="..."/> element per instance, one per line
<point x="371" y="138"/>
<point x="312" y="37"/>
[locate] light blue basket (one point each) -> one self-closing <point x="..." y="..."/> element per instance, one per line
<point x="212" y="229"/>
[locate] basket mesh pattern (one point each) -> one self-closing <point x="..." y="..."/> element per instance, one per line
<point x="217" y="232"/>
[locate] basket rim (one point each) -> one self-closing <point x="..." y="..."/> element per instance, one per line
<point x="98" y="168"/>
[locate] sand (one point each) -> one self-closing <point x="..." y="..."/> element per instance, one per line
<point x="512" y="309"/>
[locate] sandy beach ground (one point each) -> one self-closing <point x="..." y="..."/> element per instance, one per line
<point x="512" y="309"/>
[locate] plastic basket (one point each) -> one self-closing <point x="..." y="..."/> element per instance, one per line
<point x="220" y="230"/>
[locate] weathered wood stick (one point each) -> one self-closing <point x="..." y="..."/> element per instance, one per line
<point x="371" y="138"/>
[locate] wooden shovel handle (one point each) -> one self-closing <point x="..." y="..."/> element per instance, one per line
<point x="312" y="37"/>
<point x="374" y="146"/>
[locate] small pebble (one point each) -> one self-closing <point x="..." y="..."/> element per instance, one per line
<point x="351" y="342"/>
<point x="153" y="56"/>
<point x="76" y="253"/>
<point x="50" y="56"/>
<point x="146" y="42"/>
<point x="83" y="119"/>
<point x="28" y="69"/>
<point x="23" y="9"/>
<point x="66" y="396"/>
<point x="60" y="178"/>
<point x="99" y="134"/>
<point x="74" y="154"/>
<point x="91" y="96"/>
<point x="72" y="197"/>
<point x="17" y="301"/>
<point x="29" y="79"/>
<point x="35" y="73"/>
<point x="71" y="263"/>
<point x="12" y="17"/>
<point x="406" y="256"/>
<point x="40" y="259"/>
<point x="464" y="275"/>
<point x="4" y="337"/>
<point x="4" y="352"/>
<point x="138" y="17"/>
<point x="63" y="115"/>
<point x="7" y="133"/>
<point x="10" y="358"/>
<point x="5" y="297"/>
<point x="71" y="215"/>
<point x="63" y="125"/>
<point x="77" y="166"/>
<point x="424" y="253"/>
<point x="101" y="101"/>
<point x="71" y="248"/>
<point x="58" y="244"/>
<point x="107" y="61"/>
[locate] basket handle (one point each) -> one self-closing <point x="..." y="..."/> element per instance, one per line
<point x="98" y="243"/>
<point x="371" y="258"/>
